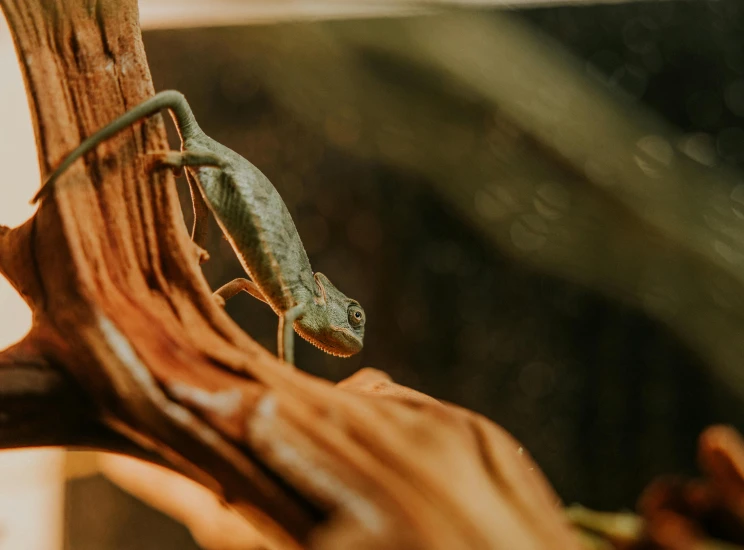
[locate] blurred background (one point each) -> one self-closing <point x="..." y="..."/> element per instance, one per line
<point x="541" y="211"/>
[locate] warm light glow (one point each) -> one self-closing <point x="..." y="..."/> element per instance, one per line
<point x="20" y="177"/>
<point x="31" y="482"/>
<point x="166" y="14"/>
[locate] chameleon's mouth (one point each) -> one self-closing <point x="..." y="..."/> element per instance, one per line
<point x="348" y="345"/>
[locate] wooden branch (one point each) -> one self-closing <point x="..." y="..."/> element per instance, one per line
<point x="678" y="514"/>
<point x="40" y="406"/>
<point x="122" y="310"/>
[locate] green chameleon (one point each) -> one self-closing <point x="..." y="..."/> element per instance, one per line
<point x="258" y="226"/>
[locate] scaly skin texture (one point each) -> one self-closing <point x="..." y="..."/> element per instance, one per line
<point x="257" y="224"/>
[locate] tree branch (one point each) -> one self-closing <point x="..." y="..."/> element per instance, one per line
<point x="122" y="312"/>
<point x="40" y="406"/>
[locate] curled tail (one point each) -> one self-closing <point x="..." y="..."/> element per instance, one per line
<point x="168" y="99"/>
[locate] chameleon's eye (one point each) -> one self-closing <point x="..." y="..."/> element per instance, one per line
<point x="356" y="316"/>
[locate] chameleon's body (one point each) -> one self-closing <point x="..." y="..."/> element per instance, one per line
<point x="257" y="224"/>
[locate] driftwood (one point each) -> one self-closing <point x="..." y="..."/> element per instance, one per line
<point x="129" y="352"/>
<point x="681" y="514"/>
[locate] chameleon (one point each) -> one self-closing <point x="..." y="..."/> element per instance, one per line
<point x="257" y="225"/>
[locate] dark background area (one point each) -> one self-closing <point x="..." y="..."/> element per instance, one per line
<point x="604" y="397"/>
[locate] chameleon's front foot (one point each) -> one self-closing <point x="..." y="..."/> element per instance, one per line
<point x="225" y="292"/>
<point x="285" y="336"/>
<point x="239" y="285"/>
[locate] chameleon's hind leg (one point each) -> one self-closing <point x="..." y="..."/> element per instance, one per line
<point x="176" y="160"/>
<point x="285" y="336"/>
<point x="225" y="292"/>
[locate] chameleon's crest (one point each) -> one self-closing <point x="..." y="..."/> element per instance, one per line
<point x="334" y="322"/>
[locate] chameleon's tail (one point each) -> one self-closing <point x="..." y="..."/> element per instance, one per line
<point x="168" y="99"/>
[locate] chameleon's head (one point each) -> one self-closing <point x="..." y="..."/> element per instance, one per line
<point x="333" y="322"/>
